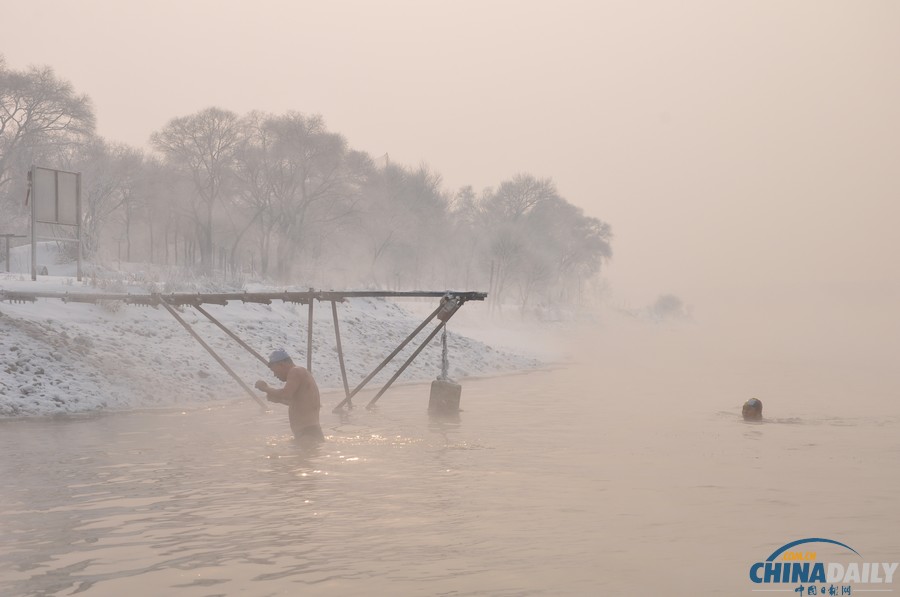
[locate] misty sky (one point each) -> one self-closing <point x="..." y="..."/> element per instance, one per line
<point x="735" y="147"/>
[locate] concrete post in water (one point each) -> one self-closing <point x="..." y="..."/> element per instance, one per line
<point x="445" y="392"/>
<point x="445" y="395"/>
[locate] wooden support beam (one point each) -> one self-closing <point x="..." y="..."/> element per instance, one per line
<point x="222" y="298"/>
<point x="340" y="351"/>
<point x="453" y="298"/>
<point x="387" y="359"/>
<point x="209" y="349"/>
<point x="233" y="336"/>
<point x="249" y="298"/>
<point x="406" y="364"/>
<point x="309" y="336"/>
<point x="444" y="317"/>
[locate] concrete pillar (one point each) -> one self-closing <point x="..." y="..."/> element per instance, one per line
<point x="444" y="397"/>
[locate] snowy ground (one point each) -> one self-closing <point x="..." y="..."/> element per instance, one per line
<point x="58" y="357"/>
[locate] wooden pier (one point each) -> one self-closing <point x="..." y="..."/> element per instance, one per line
<point x="449" y="303"/>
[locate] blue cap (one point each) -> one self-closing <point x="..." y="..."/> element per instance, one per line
<point x="277" y="356"/>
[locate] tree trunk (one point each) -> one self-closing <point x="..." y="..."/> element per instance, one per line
<point x="150" y="227"/>
<point x="127" y="232"/>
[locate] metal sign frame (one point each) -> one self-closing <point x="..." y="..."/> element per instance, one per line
<point x="32" y="180"/>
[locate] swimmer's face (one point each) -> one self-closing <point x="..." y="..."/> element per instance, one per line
<point x="752" y="410"/>
<point x="280" y="370"/>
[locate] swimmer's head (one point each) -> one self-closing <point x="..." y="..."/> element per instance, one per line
<point x="278" y="356"/>
<point x="752" y="410"/>
<point x="280" y="363"/>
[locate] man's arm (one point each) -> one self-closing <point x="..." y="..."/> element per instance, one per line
<point x="284" y="395"/>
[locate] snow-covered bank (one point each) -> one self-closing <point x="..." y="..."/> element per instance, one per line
<point x="73" y="357"/>
<point x="58" y="357"/>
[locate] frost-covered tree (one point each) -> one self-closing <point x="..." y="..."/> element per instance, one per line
<point x="295" y="180"/>
<point x="515" y="198"/>
<point x="535" y="244"/>
<point x="255" y="196"/>
<point x="573" y="245"/>
<point x="505" y="224"/>
<point x="202" y="146"/>
<point x="105" y="170"/>
<point x="41" y="116"/>
<point x="400" y="226"/>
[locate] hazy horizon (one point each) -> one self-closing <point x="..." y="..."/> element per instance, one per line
<point x="745" y="155"/>
<point x="741" y="151"/>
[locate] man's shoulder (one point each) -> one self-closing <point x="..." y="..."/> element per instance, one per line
<point x="298" y="371"/>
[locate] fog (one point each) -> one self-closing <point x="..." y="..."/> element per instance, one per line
<point x="744" y="153"/>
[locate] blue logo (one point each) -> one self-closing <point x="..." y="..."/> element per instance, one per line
<point x="798" y="563"/>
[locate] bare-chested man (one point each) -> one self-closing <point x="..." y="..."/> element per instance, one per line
<point x="300" y="393"/>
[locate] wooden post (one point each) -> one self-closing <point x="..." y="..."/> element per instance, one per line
<point x="405" y="365"/>
<point x="233" y="336"/>
<point x="309" y="335"/>
<point x="212" y="352"/>
<point x="388" y="359"/>
<point x="340" y="351"/>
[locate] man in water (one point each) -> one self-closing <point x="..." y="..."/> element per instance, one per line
<point x="300" y="393"/>
<point x="752" y="410"/>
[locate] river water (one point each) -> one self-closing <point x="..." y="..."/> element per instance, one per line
<point x="624" y="472"/>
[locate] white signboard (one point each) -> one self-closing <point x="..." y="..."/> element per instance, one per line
<point x="55" y="195"/>
<point x="56" y="199"/>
